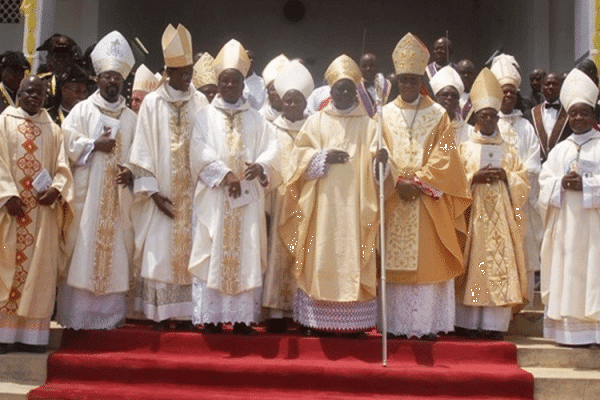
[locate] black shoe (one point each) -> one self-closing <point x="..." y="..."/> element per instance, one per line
<point x="213" y="329"/>
<point x="240" y="328"/>
<point x="355" y="335"/>
<point x="390" y="335"/>
<point x="276" y="325"/>
<point x="31" y="348"/>
<point x="494" y="335"/>
<point x="185" y="326"/>
<point x="306" y="331"/>
<point x="162" y="325"/>
<point x="5" y="348"/>
<point x="430" y="337"/>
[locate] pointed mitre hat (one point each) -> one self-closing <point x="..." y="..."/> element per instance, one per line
<point x="294" y="76"/>
<point x="447" y="76"/>
<point x="410" y="56"/>
<point x="144" y="80"/>
<point x="343" y="67"/>
<point x="232" y="55"/>
<point x="486" y="91"/>
<point x="177" y="47"/>
<point x="506" y="70"/>
<point x="204" y="71"/>
<point x="273" y="67"/>
<point x="578" y="88"/>
<point x="112" y="53"/>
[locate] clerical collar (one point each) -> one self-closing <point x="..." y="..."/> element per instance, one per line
<point x="177" y="95"/>
<point x="514" y="113"/>
<point x="101" y="102"/>
<point x="346" y="111"/>
<point x="220" y="103"/>
<point x="583" y="137"/>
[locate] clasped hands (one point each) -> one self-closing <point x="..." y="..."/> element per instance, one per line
<point x="490" y="174"/>
<point x="572" y="181"/>
<point x="16" y="207"/>
<point x="252" y="171"/>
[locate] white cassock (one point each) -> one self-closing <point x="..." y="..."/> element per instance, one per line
<point x="519" y="132"/>
<point x="229" y="245"/>
<point x="279" y="285"/>
<point x="570" y="266"/>
<point x="462" y="130"/>
<point x="160" y="162"/>
<point x="255" y="91"/>
<point x="100" y="239"/>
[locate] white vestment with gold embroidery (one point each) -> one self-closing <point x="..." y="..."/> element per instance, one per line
<point x="229" y="245"/>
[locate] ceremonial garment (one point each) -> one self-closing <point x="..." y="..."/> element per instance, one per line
<point x="228" y="244"/>
<point x="329" y="222"/>
<point x="255" y="91"/>
<point x="318" y="99"/>
<point x="518" y="132"/>
<point x="100" y="240"/>
<point x="551" y="126"/>
<point x="6" y="99"/>
<point x="32" y="247"/>
<point x="570" y="267"/>
<point x="160" y="161"/>
<point x="495" y="278"/>
<point x="423" y="253"/>
<point x="367" y="95"/>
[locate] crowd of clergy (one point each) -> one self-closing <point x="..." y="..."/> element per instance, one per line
<point x="223" y="197"/>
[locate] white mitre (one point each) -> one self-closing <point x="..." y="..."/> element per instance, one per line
<point x="447" y="76"/>
<point x="177" y="47"/>
<point x="112" y="53"/>
<point x="232" y="55"/>
<point x="506" y="70"/>
<point x="144" y="80"/>
<point x="294" y="76"/>
<point x="578" y="88"/>
<point x="273" y="67"/>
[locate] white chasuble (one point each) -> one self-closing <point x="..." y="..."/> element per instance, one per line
<point x="160" y="161"/>
<point x="228" y="244"/>
<point x="100" y="241"/>
<point x="31" y="252"/>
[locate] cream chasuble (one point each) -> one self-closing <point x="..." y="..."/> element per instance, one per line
<point x="494" y="258"/>
<point x="228" y="245"/>
<point x="278" y="292"/>
<point x="330" y="223"/>
<point x="31" y="255"/>
<point x="100" y="241"/>
<point x="422" y="148"/>
<point x="160" y="161"/>
<point x="570" y="268"/>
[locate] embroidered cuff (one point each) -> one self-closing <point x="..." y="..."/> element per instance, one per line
<point x="213" y="174"/>
<point x="318" y="167"/>
<point x="591" y="192"/>
<point x="429" y="190"/>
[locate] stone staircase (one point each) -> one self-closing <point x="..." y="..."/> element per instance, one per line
<point x="560" y="372"/>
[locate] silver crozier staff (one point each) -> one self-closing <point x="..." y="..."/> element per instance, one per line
<point x="379" y="85"/>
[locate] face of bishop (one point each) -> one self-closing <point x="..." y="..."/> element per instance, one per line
<point x="32" y="93"/>
<point x="180" y="78"/>
<point x="231" y="85"/>
<point x="448" y="98"/>
<point x="293" y="104"/>
<point x="343" y="94"/>
<point x="487" y="120"/>
<point x="409" y="86"/>
<point x="110" y="84"/>
<point x="209" y="90"/>
<point x="581" y="117"/>
<point x="509" y="101"/>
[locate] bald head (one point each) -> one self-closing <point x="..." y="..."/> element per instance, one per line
<point x="442" y="50"/>
<point x="32" y="93"/>
<point x="368" y="66"/>
<point x="466" y="70"/>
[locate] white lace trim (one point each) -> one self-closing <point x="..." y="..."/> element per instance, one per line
<point x="159" y="301"/>
<point x="24" y="330"/>
<point x="318" y="167"/>
<point x="212" y="306"/>
<point x="418" y="310"/>
<point x="214" y="173"/>
<point x="81" y="309"/>
<point x="334" y="316"/>
<point x="490" y="318"/>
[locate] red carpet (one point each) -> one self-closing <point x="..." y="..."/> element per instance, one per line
<point x="137" y="363"/>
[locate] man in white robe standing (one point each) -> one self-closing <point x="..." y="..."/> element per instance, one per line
<point x="164" y="187"/>
<point x="570" y="203"/>
<point x="98" y="134"/>
<point x="230" y="150"/>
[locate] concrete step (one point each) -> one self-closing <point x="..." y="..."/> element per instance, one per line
<point x="565" y="383"/>
<point x="540" y="352"/>
<point x="527" y="323"/>
<point x="14" y="391"/>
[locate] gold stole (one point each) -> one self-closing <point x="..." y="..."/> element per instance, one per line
<point x="232" y="219"/>
<point x="182" y="193"/>
<point x="28" y="166"/>
<point x="108" y="212"/>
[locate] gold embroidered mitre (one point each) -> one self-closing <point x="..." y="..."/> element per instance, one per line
<point x="204" y="71"/>
<point x="578" y="88"/>
<point x="112" y="53"/>
<point x="177" y="47"/>
<point x="506" y="70"/>
<point x="343" y="67"/>
<point x="486" y="91"/>
<point x="410" y="56"/>
<point x="294" y="76"/>
<point x="232" y="55"/>
<point x="144" y="80"/>
<point x="273" y="67"/>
